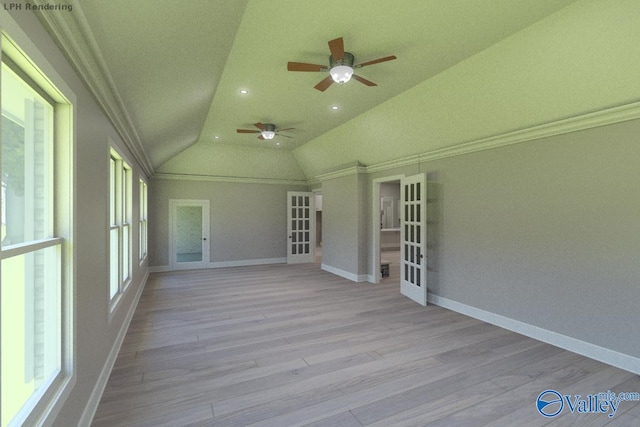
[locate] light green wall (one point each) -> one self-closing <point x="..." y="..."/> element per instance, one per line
<point x="582" y="59"/>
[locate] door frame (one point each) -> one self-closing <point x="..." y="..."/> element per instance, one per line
<point x="308" y="257"/>
<point x="317" y="193"/>
<point x="375" y="276"/>
<point x="205" y="263"/>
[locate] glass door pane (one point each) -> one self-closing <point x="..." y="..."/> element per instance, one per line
<point x="413" y="237"/>
<point x="301" y="227"/>
<point x="189" y="234"/>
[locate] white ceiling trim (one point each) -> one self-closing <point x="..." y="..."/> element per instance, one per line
<point x="75" y="38"/>
<point x="604" y="117"/>
<point x="352" y="170"/>
<point x="229" y="179"/>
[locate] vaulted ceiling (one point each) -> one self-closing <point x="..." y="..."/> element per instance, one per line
<point x="169" y="74"/>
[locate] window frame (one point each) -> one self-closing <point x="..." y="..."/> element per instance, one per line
<point x="120" y="212"/>
<point x="26" y="61"/>
<point x="143" y="224"/>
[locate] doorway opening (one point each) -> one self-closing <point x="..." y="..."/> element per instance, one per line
<point x="410" y="215"/>
<point x="386" y="229"/>
<point x="189" y="234"/>
<point x="317" y="195"/>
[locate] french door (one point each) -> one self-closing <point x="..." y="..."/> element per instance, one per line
<point x="413" y="238"/>
<point x="189" y="234"/>
<point x="301" y="227"/>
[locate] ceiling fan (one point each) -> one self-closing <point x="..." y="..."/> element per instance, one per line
<point x="340" y="66"/>
<point x="267" y="131"/>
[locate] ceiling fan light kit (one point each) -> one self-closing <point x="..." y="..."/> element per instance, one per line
<point x="341" y="66"/>
<point x="341" y="69"/>
<point x="341" y="73"/>
<point x="267" y="131"/>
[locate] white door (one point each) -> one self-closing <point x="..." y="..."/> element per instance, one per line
<point x="301" y="227"/>
<point x="413" y="238"/>
<point x="189" y="234"/>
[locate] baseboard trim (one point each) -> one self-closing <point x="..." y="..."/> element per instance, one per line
<point x="390" y="246"/>
<point x="222" y="264"/>
<point x="248" y="262"/>
<point x="345" y="274"/>
<point x="94" y="400"/>
<point x="596" y="352"/>
<point x="159" y="269"/>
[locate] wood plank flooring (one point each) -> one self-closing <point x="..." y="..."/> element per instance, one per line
<point x="291" y="345"/>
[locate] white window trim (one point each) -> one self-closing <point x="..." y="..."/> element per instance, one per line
<point x="143" y="221"/>
<point x="34" y="64"/>
<point x="123" y="219"/>
<point x="25" y="248"/>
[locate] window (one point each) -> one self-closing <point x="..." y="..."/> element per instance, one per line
<point x="35" y="277"/>
<point x="120" y="225"/>
<point x="143" y="220"/>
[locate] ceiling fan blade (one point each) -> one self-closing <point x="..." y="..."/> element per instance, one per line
<point x="261" y="137"/>
<point x="247" y="131"/>
<point x="364" y="81"/>
<point x="336" y="46"/>
<point x="376" y="61"/>
<point x="302" y="66"/>
<point x="259" y="126"/>
<point x="280" y="130"/>
<point x="286" y="136"/>
<point x="324" y="84"/>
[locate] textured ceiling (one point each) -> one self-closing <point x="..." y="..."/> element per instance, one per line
<point x="177" y="68"/>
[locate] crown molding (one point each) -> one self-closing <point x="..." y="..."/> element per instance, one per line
<point x="230" y="179"/>
<point x="600" y="118"/>
<point x="353" y="170"/>
<point x="72" y="33"/>
<point x="609" y="116"/>
<point x="396" y="163"/>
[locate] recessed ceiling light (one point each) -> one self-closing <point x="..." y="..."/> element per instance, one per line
<point x="244" y="91"/>
<point x="335" y="107"/>
<point x="216" y="137"/>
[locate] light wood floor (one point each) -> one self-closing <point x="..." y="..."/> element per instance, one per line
<point x="283" y="346"/>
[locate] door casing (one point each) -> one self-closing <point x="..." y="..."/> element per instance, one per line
<point x="206" y="243"/>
